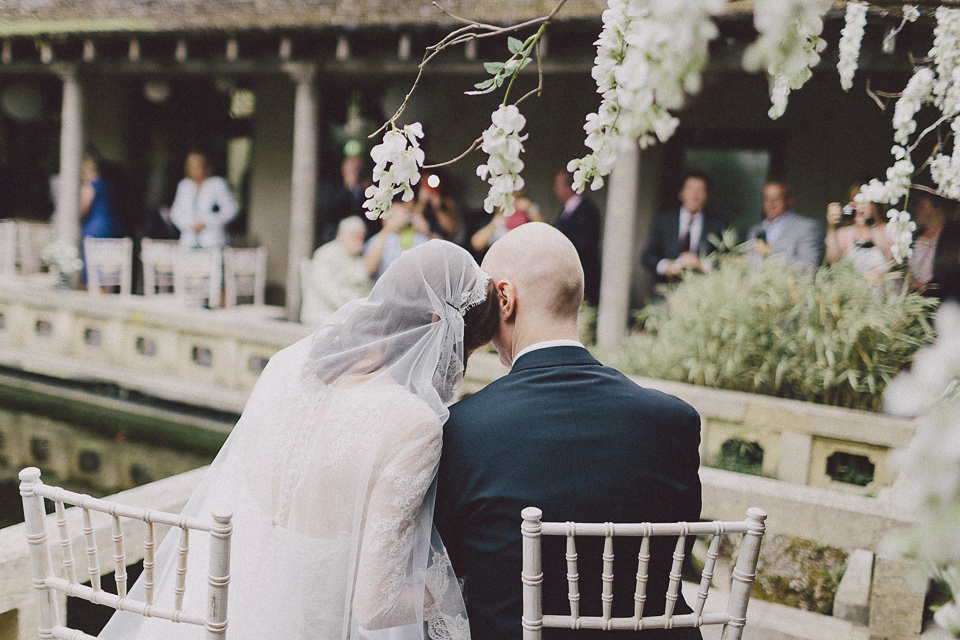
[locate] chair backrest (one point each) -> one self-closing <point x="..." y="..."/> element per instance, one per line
<point x="109" y="263"/>
<point x="732" y="620"/>
<point x="245" y="275"/>
<point x="197" y="275"/>
<point x="32" y="237"/>
<point x="47" y="582"/>
<point x="8" y="247"/>
<point x="158" y="258"/>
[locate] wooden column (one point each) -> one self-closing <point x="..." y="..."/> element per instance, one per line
<point x="303" y="189"/>
<point x="619" y="250"/>
<point x="71" y="155"/>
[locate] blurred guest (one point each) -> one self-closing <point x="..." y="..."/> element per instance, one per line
<point x="435" y="202"/>
<point x="784" y="232"/>
<point x="863" y="240"/>
<point x="338" y="202"/>
<point x="579" y="220"/>
<point x="337" y="273"/>
<point x="203" y="206"/>
<point x="97" y="212"/>
<point x="403" y="230"/>
<point x="678" y="237"/>
<point x="524" y="211"/>
<point x="935" y="264"/>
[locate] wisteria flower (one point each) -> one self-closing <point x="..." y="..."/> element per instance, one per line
<point x="900" y="229"/>
<point x="503" y="143"/>
<point x="650" y="56"/>
<point x="789" y="45"/>
<point x="850" y="39"/>
<point x="397" y="162"/>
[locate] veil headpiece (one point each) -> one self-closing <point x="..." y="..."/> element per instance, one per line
<point x="410" y="328"/>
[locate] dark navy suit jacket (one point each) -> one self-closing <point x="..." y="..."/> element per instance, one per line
<point x="581" y="442"/>
<point x="664" y="240"/>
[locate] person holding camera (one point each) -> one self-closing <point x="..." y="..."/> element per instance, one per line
<point x="857" y="232"/>
<point x="403" y="229"/>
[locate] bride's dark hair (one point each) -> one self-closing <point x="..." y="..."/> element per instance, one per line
<point x="480" y="323"/>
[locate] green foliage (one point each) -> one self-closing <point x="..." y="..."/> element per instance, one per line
<point x="825" y="337"/>
<point x="740" y="456"/>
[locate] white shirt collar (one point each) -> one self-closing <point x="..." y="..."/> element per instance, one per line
<point x="572" y="203"/>
<point x="546" y="344"/>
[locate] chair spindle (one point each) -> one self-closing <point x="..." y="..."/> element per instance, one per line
<point x="119" y="558"/>
<point x="643" y="567"/>
<point x="713" y="552"/>
<point x="182" y="550"/>
<point x="573" y="577"/>
<point x="149" y="562"/>
<point x="93" y="564"/>
<point x="66" y="548"/>
<point x="673" y="587"/>
<point x="607" y="595"/>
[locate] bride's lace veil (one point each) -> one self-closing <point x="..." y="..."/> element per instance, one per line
<point x="330" y="470"/>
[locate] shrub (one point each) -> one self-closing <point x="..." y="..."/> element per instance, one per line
<point x="826" y="337"/>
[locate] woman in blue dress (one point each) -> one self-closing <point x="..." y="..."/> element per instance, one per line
<point x="99" y="219"/>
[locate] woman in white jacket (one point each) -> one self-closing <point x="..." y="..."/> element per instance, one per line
<point x="203" y="206"/>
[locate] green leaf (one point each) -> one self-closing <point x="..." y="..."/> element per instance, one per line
<point x="493" y="67"/>
<point x="514" y="45"/>
<point x="484" y="87"/>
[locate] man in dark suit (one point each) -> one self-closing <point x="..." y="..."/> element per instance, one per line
<point x="679" y="237"/>
<point x="935" y="263"/>
<point x="579" y="220"/>
<point x="568" y="435"/>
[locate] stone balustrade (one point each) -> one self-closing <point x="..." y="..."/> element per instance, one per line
<point x="194" y="356"/>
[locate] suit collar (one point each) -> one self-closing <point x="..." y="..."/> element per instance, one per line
<point x="553" y="357"/>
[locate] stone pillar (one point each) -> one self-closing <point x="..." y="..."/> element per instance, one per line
<point x="619" y="250"/>
<point x="71" y="155"/>
<point x="303" y="189"/>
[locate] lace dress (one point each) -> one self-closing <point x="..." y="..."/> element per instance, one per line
<point x="331" y="490"/>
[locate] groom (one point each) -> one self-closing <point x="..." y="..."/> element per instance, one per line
<point x="568" y="435"/>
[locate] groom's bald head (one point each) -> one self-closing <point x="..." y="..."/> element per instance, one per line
<point x="539" y="287"/>
<point x="543" y="265"/>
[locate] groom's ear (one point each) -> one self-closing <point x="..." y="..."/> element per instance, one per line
<point x="506" y="299"/>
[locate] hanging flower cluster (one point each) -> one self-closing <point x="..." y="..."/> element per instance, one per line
<point x="850" y="38"/>
<point x="650" y="56"/>
<point x="929" y="466"/>
<point x="397" y="167"/>
<point x="944" y="169"/>
<point x="503" y="143"/>
<point x="788" y="46"/>
<point x="900" y="229"/>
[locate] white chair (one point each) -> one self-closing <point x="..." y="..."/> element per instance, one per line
<point x="197" y="275"/>
<point x="158" y="258"/>
<point x="8" y="247"/>
<point x="32" y="237"/>
<point x="47" y="582"/>
<point x="245" y="275"/>
<point x="109" y="263"/>
<point x="732" y="620"/>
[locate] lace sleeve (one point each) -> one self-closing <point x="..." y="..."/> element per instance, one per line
<point x="389" y="589"/>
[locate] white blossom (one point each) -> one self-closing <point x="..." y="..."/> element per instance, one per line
<point x="503" y="143"/>
<point x="789" y="44"/>
<point x="850" y="38"/>
<point x="397" y="162"/>
<point x="900" y="228"/>
<point x="650" y="56"/>
<point x="910" y="13"/>
<point x="928" y="467"/>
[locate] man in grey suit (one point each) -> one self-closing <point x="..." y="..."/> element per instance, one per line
<point x="785" y="232"/>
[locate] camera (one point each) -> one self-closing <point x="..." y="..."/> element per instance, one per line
<point x="848" y="212"/>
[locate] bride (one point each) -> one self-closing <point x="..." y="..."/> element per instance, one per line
<point x="329" y="471"/>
